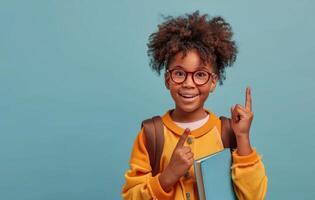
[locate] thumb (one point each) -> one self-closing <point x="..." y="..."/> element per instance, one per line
<point x="182" y="138"/>
<point x="234" y="116"/>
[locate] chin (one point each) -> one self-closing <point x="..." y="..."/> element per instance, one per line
<point x="189" y="109"/>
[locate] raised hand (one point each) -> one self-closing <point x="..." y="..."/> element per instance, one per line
<point x="181" y="160"/>
<point x="241" y="121"/>
<point x="242" y="116"/>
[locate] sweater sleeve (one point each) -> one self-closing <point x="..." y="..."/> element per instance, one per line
<point x="139" y="183"/>
<point x="249" y="177"/>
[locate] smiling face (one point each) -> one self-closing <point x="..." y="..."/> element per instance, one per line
<point x="189" y="98"/>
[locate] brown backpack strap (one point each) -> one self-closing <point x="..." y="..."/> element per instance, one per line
<point x="154" y="136"/>
<point x="227" y="134"/>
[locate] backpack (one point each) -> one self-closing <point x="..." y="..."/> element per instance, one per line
<point x="154" y="137"/>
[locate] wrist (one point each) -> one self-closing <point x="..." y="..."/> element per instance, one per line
<point x="243" y="146"/>
<point x="242" y="136"/>
<point x="167" y="180"/>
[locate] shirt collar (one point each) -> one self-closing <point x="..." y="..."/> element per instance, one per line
<point x="169" y="123"/>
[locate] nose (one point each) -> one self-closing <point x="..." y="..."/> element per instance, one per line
<point x="189" y="82"/>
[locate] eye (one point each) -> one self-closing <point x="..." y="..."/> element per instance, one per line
<point x="179" y="73"/>
<point x="201" y="74"/>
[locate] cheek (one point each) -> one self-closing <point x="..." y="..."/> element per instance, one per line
<point x="205" y="91"/>
<point x="174" y="91"/>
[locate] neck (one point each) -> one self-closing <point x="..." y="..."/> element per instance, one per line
<point x="179" y="115"/>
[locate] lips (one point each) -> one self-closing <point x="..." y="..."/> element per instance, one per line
<point x="188" y="95"/>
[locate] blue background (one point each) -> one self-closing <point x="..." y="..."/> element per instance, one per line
<point x="76" y="84"/>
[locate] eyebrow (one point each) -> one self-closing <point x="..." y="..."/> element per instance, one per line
<point x="199" y="67"/>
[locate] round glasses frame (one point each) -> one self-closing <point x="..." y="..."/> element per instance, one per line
<point x="211" y="75"/>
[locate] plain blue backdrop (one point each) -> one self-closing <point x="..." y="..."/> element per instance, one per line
<point x="75" y="84"/>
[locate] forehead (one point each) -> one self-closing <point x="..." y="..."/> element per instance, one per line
<point x="190" y="62"/>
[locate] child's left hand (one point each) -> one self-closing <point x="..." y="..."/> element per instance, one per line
<point x="240" y="123"/>
<point x="242" y="117"/>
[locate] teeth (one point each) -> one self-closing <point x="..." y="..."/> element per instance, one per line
<point x="188" y="95"/>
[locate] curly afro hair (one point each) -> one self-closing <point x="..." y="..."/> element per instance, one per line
<point x="212" y="38"/>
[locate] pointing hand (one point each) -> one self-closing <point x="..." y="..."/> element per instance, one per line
<point x="242" y="116"/>
<point x="182" y="158"/>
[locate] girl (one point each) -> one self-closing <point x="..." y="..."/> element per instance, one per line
<point x="194" y="51"/>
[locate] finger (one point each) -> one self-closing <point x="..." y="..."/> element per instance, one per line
<point x="248" y="100"/>
<point x="183" y="138"/>
<point x="231" y="109"/>
<point x="191" y="161"/>
<point x="240" y="107"/>
<point x="234" y="114"/>
<point x="237" y="113"/>
<point x="240" y="111"/>
<point x="185" y="150"/>
<point x="189" y="155"/>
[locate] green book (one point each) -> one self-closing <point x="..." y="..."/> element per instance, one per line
<point x="213" y="176"/>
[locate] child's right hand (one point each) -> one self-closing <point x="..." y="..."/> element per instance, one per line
<point x="181" y="160"/>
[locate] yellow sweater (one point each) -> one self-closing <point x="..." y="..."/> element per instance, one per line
<point x="248" y="172"/>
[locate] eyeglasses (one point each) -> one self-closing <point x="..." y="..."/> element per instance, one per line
<point x="200" y="77"/>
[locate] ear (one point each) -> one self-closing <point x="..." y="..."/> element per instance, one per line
<point x="166" y="80"/>
<point x="213" y="84"/>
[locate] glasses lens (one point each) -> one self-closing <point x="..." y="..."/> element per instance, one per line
<point x="201" y="77"/>
<point x="178" y="75"/>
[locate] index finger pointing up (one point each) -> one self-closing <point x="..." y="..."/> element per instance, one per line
<point x="248" y="100"/>
<point x="182" y="138"/>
